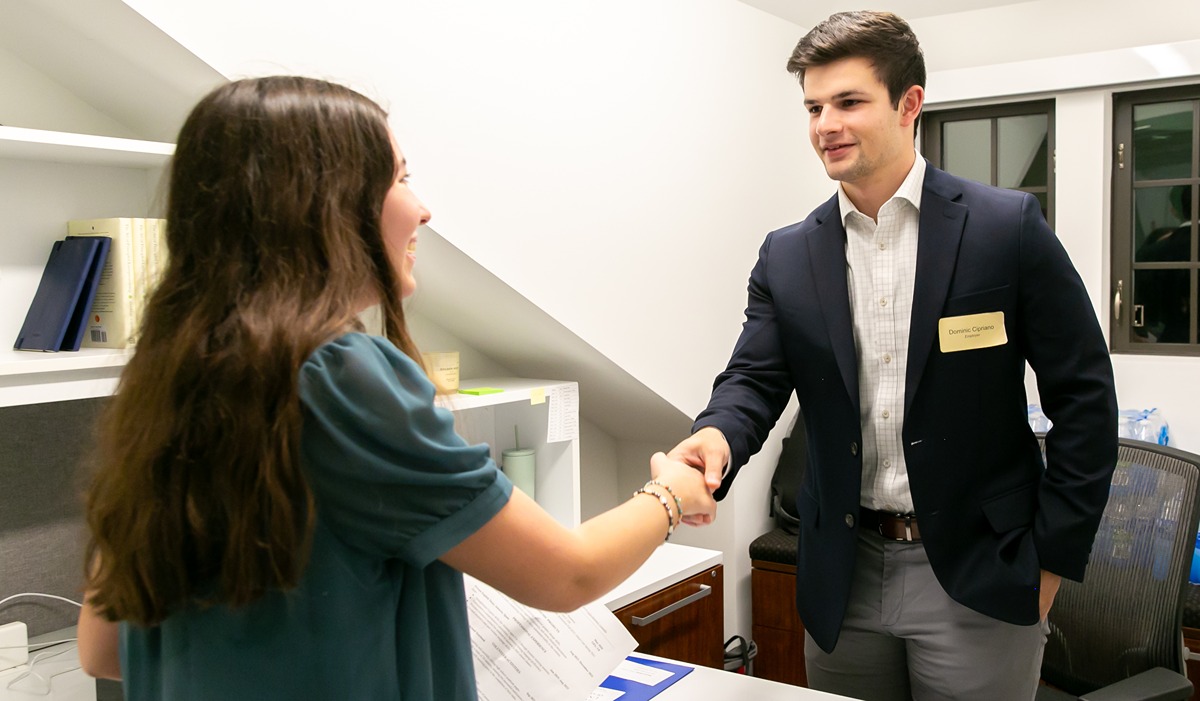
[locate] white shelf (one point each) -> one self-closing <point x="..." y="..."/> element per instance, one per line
<point x="514" y="390"/>
<point x="28" y="363"/>
<point x="86" y="149"/>
<point x="528" y="407"/>
<point x="46" y="179"/>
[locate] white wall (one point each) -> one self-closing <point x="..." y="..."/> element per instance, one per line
<point x="56" y="107"/>
<point x="616" y="155"/>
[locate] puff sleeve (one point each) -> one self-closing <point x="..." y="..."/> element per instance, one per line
<point x="389" y="473"/>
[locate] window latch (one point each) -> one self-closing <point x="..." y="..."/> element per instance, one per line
<point x="1121" y="156"/>
<point x="1117" y="300"/>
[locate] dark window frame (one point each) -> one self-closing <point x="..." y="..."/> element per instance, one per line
<point x="933" y="121"/>
<point x="1121" y="235"/>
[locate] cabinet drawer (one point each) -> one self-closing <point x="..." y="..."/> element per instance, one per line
<point x="685" y="621"/>
<point x="773" y="600"/>
<point x="777" y="628"/>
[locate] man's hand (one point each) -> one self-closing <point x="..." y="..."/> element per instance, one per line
<point x="1047" y="590"/>
<point x="707" y="451"/>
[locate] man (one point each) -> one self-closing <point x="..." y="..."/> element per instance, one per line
<point x="901" y="313"/>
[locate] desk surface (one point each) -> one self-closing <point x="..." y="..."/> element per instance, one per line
<point x="708" y="684"/>
<point x="669" y="564"/>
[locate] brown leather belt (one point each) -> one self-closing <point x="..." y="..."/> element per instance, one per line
<point x="902" y="527"/>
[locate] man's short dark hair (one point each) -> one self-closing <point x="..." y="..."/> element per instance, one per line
<point x="882" y="38"/>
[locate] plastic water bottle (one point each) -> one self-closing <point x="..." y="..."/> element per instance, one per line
<point x="1194" y="577"/>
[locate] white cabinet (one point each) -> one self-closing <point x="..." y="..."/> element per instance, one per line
<point x="536" y="411"/>
<point x="46" y="179"/>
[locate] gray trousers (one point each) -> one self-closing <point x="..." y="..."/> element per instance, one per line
<point x="905" y="638"/>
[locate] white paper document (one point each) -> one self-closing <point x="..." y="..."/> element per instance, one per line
<point x="602" y="694"/>
<point x="640" y="673"/>
<point x="563" y="423"/>
<point x="523" y="654"/>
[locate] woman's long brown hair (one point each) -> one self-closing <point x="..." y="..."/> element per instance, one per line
<point x="276" y="190"/>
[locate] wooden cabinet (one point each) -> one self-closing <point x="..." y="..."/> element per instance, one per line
<point x="683" y="622"/>
<point x="777" y="629"/>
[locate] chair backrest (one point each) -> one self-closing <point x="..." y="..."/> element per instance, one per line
<point x="789" y="473"/>
<point x="1125" y="617"/>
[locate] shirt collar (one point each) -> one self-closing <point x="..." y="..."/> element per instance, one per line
<point x="909" y="190"/>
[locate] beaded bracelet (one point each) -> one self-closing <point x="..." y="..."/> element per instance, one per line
<point x="678" y="501"/>
<point x="666" y="505"/>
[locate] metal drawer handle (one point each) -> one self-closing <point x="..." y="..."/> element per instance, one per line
<point x="705" y="590"/>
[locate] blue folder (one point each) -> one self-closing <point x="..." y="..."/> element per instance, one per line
<point x="64" y="295"/>
<point x="79" y="318"/>
<point x="636" y="691"/>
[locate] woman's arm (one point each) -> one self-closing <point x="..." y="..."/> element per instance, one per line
<point x="523" y="552"/>
<point x="99" y="653"/>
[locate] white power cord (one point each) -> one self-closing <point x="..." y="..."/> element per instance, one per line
<point x="44" y="687"/>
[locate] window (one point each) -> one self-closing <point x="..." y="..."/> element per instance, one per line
<point x="1155" y="177"/>
<point x="1009" y="146"/>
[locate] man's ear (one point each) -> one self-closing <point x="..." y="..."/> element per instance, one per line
<point x="911" y="104"/>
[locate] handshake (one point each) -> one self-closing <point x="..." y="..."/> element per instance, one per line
<point x="693" y="469"/>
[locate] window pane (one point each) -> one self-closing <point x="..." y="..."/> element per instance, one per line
<point x="1164" y="296"/>
<point x="1162" y="141"/>
<point x="1162" y="229"/>
<point x="967" y="149"/>
<point x="1022" y="151"/>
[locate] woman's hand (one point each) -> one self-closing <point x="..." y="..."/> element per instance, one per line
<point x="687" y="483"/>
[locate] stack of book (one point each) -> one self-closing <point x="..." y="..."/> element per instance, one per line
<point x="95" y="285"/>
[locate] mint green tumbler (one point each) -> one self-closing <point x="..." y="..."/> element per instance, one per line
<point x="519" y="465"/>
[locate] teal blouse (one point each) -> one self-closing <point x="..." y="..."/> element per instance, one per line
<point x="376" y="615"/>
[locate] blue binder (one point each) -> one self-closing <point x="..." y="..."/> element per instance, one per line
<point x="635" y="691"/>
<point x="64" y="295"/>
<point x="79" y="318"/>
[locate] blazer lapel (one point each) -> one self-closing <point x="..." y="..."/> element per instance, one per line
<point x="940" y="230"/>
<point x="827" y="251"/>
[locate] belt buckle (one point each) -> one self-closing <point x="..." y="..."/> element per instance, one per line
<point x="908" y="535"/>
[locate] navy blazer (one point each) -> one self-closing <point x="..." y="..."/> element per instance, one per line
<point x="992" y="514"/>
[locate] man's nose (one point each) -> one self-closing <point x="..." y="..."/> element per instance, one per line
<point x="827" y="122"/>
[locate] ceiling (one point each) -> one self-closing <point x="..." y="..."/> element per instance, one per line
<point x="808" y="13"/>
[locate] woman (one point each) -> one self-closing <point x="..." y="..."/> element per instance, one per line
<point x="280" y="510"/>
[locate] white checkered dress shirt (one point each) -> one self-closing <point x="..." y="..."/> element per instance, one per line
<point x="881" y="266"/>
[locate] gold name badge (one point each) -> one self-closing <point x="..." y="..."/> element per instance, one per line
<point x="959" y="333"/>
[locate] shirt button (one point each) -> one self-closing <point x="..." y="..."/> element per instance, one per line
<point x="887" y="357"/>
<point x="887" y="463"/>
<point x="883" y="246"/>
<point x="850" y="520"/>
<point x="887" y="414"/>
<point x="854" y="449"/>
<point x="883" y="302"/>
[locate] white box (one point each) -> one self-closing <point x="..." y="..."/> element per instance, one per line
<point x="14" y="639"/>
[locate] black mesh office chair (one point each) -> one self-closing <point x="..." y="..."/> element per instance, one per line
<point x="1118" y="635"/>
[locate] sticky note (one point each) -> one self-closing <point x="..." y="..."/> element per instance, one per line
<point x="476" y="391"/>
<point x="537" y="395"/>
